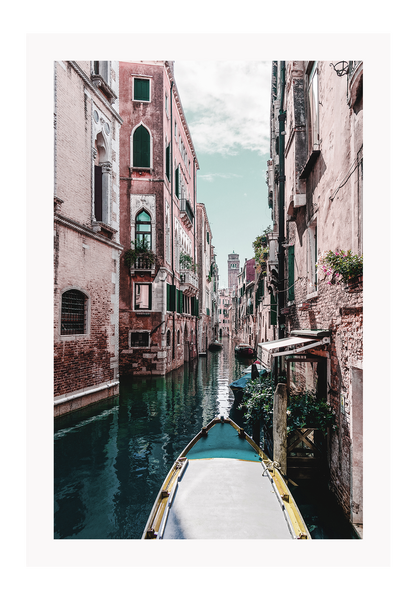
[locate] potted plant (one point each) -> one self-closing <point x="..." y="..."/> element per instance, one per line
<point x="132" y="254"/>
<point x="261" y="250"/>
<point x="340" y="267"/>
<point x="186" y="261"/>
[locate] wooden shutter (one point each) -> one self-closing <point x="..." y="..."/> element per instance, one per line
<point x="291" y="273"/>
<point x="179" y="301"/>
<point x="171" y="297"/>
<point x="142" y="89"/>
<point x="98" y="192"/>
<point x="141" y="147"/>
<point x="177" y="182"/>
<point x="273" y="310"/>
<point x="168" y="161"/>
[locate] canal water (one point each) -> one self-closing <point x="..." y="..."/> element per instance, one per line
<point x="111" y="460"/>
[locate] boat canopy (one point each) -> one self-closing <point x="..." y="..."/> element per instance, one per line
<point x="299" y="341"/>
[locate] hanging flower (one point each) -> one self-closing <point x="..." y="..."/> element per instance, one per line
<point x="342" y="266"/>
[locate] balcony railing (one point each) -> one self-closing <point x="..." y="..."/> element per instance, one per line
<point x="188" y="282"/>
<point x="143" y="263"/>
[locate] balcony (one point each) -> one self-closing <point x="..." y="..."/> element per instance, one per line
<point x="187" y="213"/>
<point x="188" y="282"/>
<point x="143" y="262"/>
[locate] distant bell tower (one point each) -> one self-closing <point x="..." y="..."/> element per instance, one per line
<point x="233" y="270"/>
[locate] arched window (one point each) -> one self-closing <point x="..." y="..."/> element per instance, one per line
<point x="73" y="313"/>
<point x="179" y="337"/>
<point x="143" y="231"/>
<point x="168" y="339"/>
<point x="141" y="147"/>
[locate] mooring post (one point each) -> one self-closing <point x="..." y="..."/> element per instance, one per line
<point x="280" y="426"/>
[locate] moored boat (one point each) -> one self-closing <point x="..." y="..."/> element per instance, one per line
<point x="245" y="350"/>
<point x="223" y="486"/>
<point x="215" y="346"/>
<point x="250" y="373"/>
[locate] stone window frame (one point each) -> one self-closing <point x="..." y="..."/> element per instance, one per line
<point x="140" y="332"/>
<point x="87" y="315"/>
<point x="141" y="77"/>
<point x="150" y="284"/>
<point x="312" y="257"/>
<point x="132" y="166"/>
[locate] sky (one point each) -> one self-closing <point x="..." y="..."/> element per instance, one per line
<point x="227" y="108"/>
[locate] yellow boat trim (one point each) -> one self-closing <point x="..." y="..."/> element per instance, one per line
<point x="161" y="504"/>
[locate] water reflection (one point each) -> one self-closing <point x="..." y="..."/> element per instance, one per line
<point x="110" y="462"/>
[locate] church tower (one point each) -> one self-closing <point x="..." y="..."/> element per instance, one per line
<point x="233" y="270"/>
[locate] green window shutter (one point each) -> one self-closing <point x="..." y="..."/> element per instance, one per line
<point x="291" y="273"/>
<point x="194" y="307"/>
<point x="168" y="161"/>
<point x="273" y="310"/>
<point x="141" y="147"/>
<point x="142" y="89"/>
<point x="177" y="182"/>
<point x="179" y="301"/>
<point x="170" y="297"/>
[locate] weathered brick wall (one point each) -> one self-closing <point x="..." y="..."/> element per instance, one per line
<point x="338" y="308"/>
<point x="85" y="264"/>
<point x="83" y="259"/>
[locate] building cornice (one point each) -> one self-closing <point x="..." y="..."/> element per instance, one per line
<point x="79" y="228"/>
<point x="180" y="110"/>
<point x="98" y="93"/>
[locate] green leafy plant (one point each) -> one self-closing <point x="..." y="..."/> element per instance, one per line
<point x="306" y="411"/>
<point x="131" y="255"/>
<point x="186" y="262"/>
<point x="261" y="249"/>
<point x="340" y="266"/>
<point x="257" y="401"/>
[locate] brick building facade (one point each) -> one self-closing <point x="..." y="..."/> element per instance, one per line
<point x="86" y="238"/>
<point x="315" y="192"/>
<point x="158" y="164"/>
<point x="205" y="257"/>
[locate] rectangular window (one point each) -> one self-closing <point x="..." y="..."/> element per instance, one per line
<point x="98" y="192"/>
<point x="73" y="313"/>
<point x="313" y="258"/>
<point x="139" y="339"/>
<point x="177" y="182"/>
<point x="167" y="161"/>
<point x="179" y="301"/>
<point x="141" y="90"/>
<point x="291" y="273"/>
<point x="313" y="104"/>
<point x="142" y="296"/>
<point x="273" y="310"/>
<point x="170" y="297"/>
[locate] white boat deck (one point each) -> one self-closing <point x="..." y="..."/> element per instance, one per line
<point x="224" y="498"/>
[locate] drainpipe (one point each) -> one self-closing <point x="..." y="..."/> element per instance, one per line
<point x="281" y="200"/>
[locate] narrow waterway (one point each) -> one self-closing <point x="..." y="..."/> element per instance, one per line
<point x="110" y="462"/>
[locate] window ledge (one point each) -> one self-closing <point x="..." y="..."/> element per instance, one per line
<point x="99" y="82"/>
<point x="310" y="164"/>
<point x="311" y="295"/>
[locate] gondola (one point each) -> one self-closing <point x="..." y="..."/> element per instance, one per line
<point x="245" y="350"/>
<point x="215" y="346"/>
<point x="223" y="486"/>
<point x="250" y="373"/>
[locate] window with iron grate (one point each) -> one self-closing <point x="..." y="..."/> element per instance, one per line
<point x="73" y="313"/>
<point x="139" y="339"/>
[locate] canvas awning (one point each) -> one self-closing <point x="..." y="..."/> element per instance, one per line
<point x="298" y="342"/>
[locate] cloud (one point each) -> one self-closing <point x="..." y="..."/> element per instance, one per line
<point x="211" y="177"/>
<point x="227" y="104"/>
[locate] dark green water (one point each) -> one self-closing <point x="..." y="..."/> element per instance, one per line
<point x="111" y="460"/>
